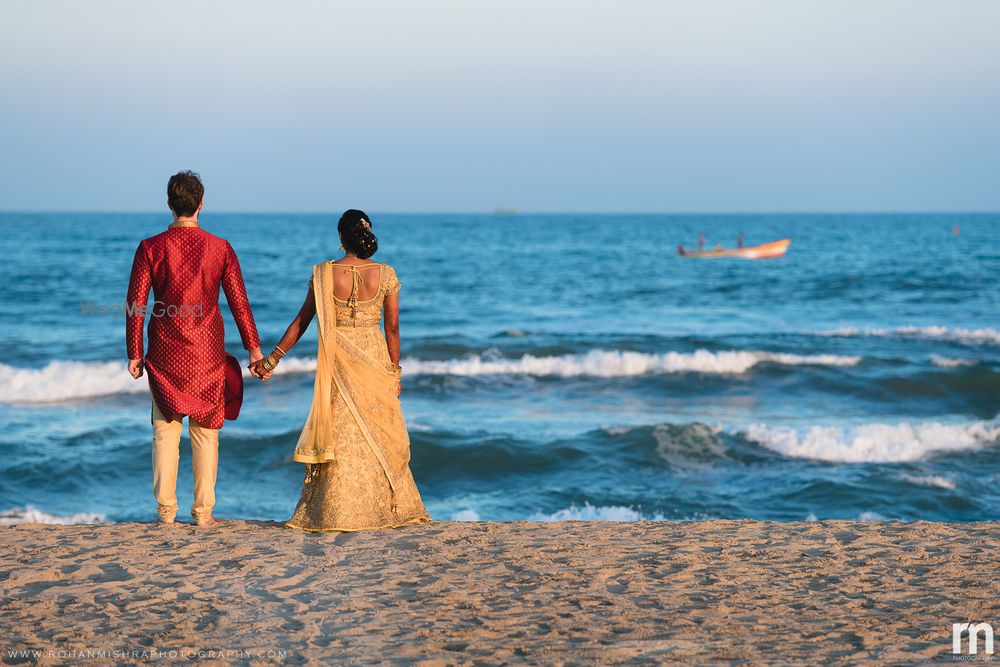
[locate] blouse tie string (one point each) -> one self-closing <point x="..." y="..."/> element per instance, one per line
<point x="356" y="281"/>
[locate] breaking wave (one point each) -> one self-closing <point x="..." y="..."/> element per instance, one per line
<point x="65" y="380"/>
<point x="934" y="481"/>
<point x="877" y="443"/>
<point x="951" y="362"/>
<point x="982" y="336"/>
<point x="617" y="363"/>
<point x="588" y="512"/>
<point x="31" y="514"/>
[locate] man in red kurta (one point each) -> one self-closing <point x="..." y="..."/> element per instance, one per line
<point x="185" y="266"/>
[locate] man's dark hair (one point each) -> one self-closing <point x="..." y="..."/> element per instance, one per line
<point x="184" y="193"/>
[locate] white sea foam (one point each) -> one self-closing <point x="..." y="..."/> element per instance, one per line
<point x="881" y="443"/>
<point x="985" y="335"/>
<point x="586" y="512"/>
<point x="589" y="512"/>
<point x="845" y="332"/>
<point x="62" y="380"/>
<point x="617" y="363"/>
<point x="31" y="514"/>
<point x="936" y="481"/>
<point x="65" y="380"/>
<point x="293" y="365"/>
<point x="982" y="336"/>
<point x="951" y="362"/>
<point x="864" y="516"/>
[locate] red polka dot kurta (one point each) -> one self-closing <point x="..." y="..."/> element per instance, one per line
<point x="185" y="267"/>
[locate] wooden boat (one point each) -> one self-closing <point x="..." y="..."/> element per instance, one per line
<point x="762" y="251"/>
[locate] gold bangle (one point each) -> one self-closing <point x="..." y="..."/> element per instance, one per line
<point x="278" y="348"/>
<point x="269" y="363"/>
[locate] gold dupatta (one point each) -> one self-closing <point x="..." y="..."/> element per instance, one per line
<point x="365" y="387"/>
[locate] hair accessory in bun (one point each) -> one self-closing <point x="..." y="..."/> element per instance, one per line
<point x="356" y="233"/>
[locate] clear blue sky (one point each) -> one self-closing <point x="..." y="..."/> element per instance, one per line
<point x="769" y="105"/>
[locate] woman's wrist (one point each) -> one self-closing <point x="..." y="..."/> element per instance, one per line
<point x="269" y="363"/>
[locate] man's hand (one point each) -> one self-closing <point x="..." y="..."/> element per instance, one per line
<point x="255" y="358"/>
<point x="256" y="365"/>
<point x="257" y="370"/>
<point x="135" y="368"/>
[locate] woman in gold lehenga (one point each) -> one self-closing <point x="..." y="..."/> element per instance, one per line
<point x="354" y="443"/>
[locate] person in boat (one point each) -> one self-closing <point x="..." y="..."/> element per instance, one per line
<point x="701" y="241"/>
<point x="739" y="240"/>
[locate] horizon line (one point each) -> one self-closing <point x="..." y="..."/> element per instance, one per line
<point x="510" y="213"/>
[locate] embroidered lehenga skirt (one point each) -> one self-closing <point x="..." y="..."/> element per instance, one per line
<point x="355" y="444"/>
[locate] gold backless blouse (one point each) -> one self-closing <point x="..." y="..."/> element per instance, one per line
<point x="354" y="444"/>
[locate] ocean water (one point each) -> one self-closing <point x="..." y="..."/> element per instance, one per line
<point x="556" y="367"/>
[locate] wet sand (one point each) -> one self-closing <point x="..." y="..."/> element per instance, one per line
<point x="497" y="593"/>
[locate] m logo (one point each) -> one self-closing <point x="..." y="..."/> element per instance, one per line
<point x="974" y="630"/>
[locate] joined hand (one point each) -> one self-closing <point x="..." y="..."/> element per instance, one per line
<point x="257" y="370"/>
<point x="256" y="357"/>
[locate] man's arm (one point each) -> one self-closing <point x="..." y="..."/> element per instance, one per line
<point x="139" y="284"/>
<point x="239" y="304"/>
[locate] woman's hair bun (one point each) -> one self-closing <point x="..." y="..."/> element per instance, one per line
<point x="356" y="233"/>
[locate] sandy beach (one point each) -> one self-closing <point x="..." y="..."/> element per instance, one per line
<point x="497" y="593"/>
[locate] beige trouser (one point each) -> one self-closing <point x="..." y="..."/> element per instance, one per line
<point x="166" y="457"/>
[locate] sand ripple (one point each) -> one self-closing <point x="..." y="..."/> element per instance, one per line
<point x="495" y="593"/>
